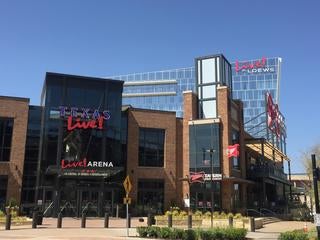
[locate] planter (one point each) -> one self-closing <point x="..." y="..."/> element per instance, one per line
<point x="178" y="222"/>
<point x="206" y="223"/>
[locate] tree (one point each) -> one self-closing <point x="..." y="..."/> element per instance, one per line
<point x="306" y="158"/>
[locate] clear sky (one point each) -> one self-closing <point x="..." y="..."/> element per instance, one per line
<point x="103" y="38"/>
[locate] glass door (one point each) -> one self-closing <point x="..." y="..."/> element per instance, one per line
<point x="107" y="203"/>
<point x="88" y="202"/>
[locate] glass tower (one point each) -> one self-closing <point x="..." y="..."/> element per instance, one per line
<point x="159" y="90"/>
<point x="162" y="90"/>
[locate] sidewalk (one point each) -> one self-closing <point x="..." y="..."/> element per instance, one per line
<point x="71" y="230"/>
<point x="273" y="230"/>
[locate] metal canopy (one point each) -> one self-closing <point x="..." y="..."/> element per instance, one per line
<point x="266" y="149"/>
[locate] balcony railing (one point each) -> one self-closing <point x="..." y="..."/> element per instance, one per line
<point x="256" y="171"/>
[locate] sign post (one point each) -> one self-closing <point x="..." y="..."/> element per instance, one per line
<point x="127" y="187"/>
<point x="316" y="194"/>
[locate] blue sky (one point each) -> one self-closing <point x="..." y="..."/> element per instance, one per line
<point x="103" y="38"/>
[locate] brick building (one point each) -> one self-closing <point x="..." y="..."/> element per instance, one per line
<point x="13" y="129"/>
<point x="73" y="152"/>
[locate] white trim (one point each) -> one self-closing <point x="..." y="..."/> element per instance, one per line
<point x="156" y="82"/>
<point x="204" y="121"/>
<point x="149" y="94"/>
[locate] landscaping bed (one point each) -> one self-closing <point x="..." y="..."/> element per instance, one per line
<point x="192" y="234"/>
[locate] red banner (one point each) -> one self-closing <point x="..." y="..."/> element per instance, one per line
<point x="233" y="150"/>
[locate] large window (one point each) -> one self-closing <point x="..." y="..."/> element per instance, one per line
<point x="151" y="194"/>
<point x="203" y="138"/>
<point x="151" y="147"/>
<point x="3" y="190"/>
<point x="6" y="127"/>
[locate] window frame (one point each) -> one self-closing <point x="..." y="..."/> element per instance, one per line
<point x="158" y="150"/>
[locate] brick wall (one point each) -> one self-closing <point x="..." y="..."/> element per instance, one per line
<point x="16" y="108"/>
<point x="139" y="118"/>
<point x="190" y="108"/>
<point x="230" y="114"/>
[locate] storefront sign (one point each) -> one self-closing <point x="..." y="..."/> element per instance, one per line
<point x="259" y="66"/>
<point x="274" y="117"/>
<point x="84" y="118"/>
<point x="85" y="124"/>
<point x="197" y="177"/>
<point x="84" y="163"/>
<point x="84" y="166"/>
<point x="215" y="177"/>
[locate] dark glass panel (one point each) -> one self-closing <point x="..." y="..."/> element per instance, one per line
<point x="6" y="128"/>
<point x="151" y="147"/>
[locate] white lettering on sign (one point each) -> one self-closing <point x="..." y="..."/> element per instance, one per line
<point x="215" y="177"/>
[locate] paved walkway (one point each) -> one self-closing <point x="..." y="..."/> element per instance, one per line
<point x="94" y="230"/>
<point x="273" y="230"/>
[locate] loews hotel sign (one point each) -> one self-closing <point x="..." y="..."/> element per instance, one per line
<point x="259" y="66"/>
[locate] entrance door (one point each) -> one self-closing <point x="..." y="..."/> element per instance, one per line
<point x="107" y="202"/>
<point x="88" y="202"/>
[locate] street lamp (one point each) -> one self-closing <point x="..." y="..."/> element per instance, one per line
<point x="211" y="151"/>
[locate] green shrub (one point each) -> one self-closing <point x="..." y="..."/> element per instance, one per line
<point x="293" y="235"/>
<point x="165" y="232"/>
<point x="168" y="213"/>
<point x="230" y="215"/>
<point x="2" y="214"/>
<point x="183" y="213"/>
<point x="238" y="216"/>
<point x="190" y="234"/>
<point x="198" y="213"/>
<point x="142" y="231"/>
<point x="235" y="233"/>
<point x="215" y="214"/>
<point x="211" y="234"/>
<point x="177" y="234"/>
<point x="223" y="215"/>
<point x="175" y="213"/>
<point x="207" y="214"/>
<point x="223" y="234"/>
<point x="153" y="232"/>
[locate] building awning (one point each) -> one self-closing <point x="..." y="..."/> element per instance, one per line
<point x="266" y="149"/>
<point x="56" y="170"/>
<point x="237" y="180"/>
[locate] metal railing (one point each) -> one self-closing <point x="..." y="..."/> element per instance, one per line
<point x="64" y="206"/>
<point x="254" y="211"/>
<point x="47" y="209"/>
<point x="86" y="207"/>
<point x="269" y="211"/>
<point x="267" y="171"/>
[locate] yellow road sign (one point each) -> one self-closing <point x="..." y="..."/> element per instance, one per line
<point x="127" y="185"/>
<point x="126" y="200"/>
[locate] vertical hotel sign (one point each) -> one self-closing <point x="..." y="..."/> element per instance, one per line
<point x="274" y="117"/>
<point x="83" y="120"/>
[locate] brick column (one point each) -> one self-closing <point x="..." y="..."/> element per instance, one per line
<point x="224" y="108"/>
<point x="190" y="107"/>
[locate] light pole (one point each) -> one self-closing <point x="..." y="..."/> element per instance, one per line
<point x="211" y="151"/>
